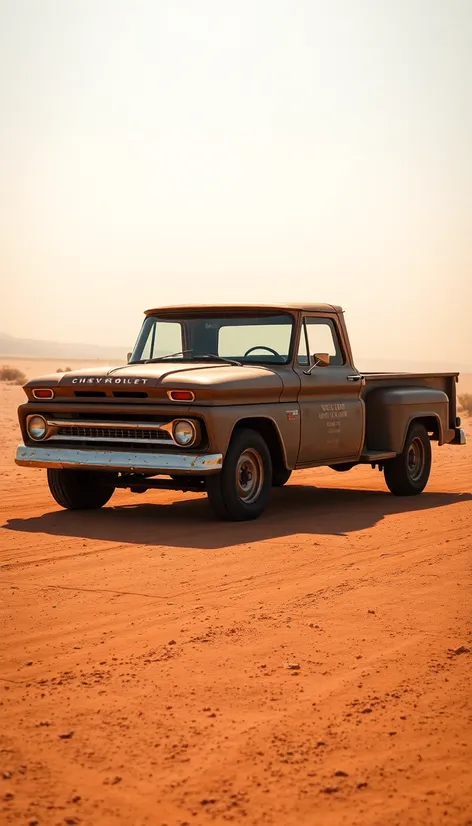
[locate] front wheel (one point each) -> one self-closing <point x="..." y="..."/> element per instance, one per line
<point x="80" y="489"/>
<point x="408" y="473"/>
<point x="240" y="491"/>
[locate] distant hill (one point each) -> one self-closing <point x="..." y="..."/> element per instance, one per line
<point x="32" y="348"/>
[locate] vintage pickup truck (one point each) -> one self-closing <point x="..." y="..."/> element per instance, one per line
<point x="228" y="400"/>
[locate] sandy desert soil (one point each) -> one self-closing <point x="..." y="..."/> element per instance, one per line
<point x="144" y="654"/>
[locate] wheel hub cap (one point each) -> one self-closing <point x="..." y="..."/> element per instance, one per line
<point x="416" y="459"/>
<point x="249" y="476"/>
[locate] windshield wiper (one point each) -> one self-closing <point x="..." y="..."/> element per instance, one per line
<point x="197" y="357"/>
<point x="218" y="358"/>
<point x="168" y="356"/>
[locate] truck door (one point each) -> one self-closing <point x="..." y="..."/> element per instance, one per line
<point x="332" y="412"/>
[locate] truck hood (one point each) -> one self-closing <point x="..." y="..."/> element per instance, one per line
<point x="212" y="383"/>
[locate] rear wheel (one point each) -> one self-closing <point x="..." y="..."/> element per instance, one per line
<point x="240" y="491"/>
<point x="408" y="473"/>
<point x="280" y="477"/>
<point x="80" y="489"/>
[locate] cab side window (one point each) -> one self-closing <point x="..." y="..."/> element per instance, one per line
<point x="319" y="335"/>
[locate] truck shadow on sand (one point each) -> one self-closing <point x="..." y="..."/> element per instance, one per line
<point x="189" y="523"/>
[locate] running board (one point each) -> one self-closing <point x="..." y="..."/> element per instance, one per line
<point x="373" y="456"/>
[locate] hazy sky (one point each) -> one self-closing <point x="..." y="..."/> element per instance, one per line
<point x="172" y="151"/>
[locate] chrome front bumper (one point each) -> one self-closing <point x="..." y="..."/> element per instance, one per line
<point x="120" y="461"/>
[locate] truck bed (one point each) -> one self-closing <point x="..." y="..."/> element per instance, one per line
<point x="389" y="398"/>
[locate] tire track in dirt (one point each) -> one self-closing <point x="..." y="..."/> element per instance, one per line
<point x="144" y="656"/>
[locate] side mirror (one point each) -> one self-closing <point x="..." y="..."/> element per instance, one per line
<point x="128" y="356"/>
<point x="322" y="359"/>
<point x="319" y="360"/>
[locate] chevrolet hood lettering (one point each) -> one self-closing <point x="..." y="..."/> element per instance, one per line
<point x="106" y="380"/>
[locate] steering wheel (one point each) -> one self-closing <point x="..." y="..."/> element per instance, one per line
<point x="262" y="347"/>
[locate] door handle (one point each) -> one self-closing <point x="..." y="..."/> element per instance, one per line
<point x="354" y="378"/>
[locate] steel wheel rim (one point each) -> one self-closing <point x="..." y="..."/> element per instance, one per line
<point x="249" y="476"/>
<point x="416" y="459"/>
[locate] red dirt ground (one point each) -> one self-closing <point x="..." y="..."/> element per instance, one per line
<point x="144" y="654"/>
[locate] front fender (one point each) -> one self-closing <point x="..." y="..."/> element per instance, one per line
<point x="283" y="417"/>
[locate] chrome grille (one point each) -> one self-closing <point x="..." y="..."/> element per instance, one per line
<point x="71" y="430"/>
<point x="128" y="433"/>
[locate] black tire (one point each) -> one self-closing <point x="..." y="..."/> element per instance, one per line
<point x="343" y="468"/>
<point x="233" y="495"/>
<point x="80" y="489"/>
<point x="408" y="473"/>
<point x="280" y="477"/>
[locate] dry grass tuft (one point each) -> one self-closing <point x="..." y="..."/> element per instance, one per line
<point x="465" y="402"/>
<point x="12" y="375"/>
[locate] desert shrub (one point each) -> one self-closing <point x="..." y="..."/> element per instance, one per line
<point x="465" y="402"/>
<point x="12" y="375"/>
<point x="64" y="370"/>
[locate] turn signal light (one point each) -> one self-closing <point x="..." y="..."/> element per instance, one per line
<point x="43" y="393"/>
<point x="181" y="395"/>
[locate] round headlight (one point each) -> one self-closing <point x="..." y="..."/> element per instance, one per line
<point x="37" y="427"/>
<point x="184" y="433"/>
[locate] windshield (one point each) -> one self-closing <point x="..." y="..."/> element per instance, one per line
<point x="245" y="338"/>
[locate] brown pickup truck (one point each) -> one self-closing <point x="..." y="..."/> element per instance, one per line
<point x="230" y="400"/>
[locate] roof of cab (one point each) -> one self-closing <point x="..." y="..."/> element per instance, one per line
<point x="299" y="307"/>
